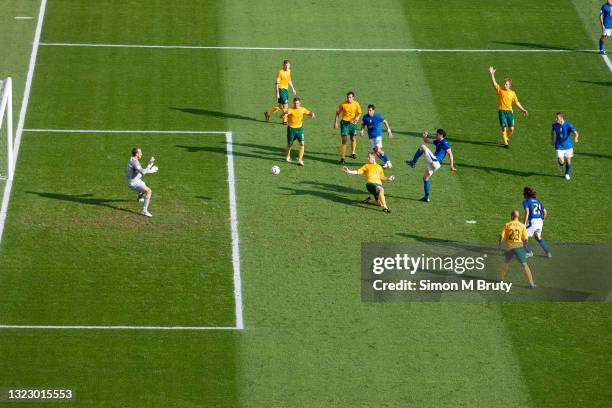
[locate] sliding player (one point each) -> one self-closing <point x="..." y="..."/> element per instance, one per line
<point x="134" y="175"/>
<point x="506" y="97"/>
<point x="374" y="121"/>
<point x="535" y="214"/>
<point x="351" y="113"/>
<point x="282" y="84"/>
<point x="605" y="22"/>
<point x="295" y="128"/>
<point x="375" y="175"/>
<point x="434" y="160"/>
<point x="513" y="239"/>
<point x="561" y="138"/>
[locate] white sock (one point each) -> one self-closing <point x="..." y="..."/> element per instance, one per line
<point x="145" y="207"/>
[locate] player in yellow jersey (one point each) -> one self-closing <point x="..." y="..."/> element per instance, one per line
<point x="351" y="112"/>
<point x="295" y="128"/>
<point x="375" y="175"/>
<point x="513" y="239"/>
<point x="282" y="84"/>
<point x="506" y="97"/>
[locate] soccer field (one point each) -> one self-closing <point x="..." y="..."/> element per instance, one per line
<point x="244" y="288"/>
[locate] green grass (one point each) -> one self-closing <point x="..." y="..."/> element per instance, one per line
<point x="310" y="341"/>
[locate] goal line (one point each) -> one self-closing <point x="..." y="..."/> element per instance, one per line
<point x="237" y="279"/>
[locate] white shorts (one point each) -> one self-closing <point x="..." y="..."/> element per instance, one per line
<point x="565" y="154"/>
<point x="137" y="185"/>
<point x="376" y="142"/>
<point x="535" y="226"/>
<point x="607" y="32"/>
<point x="432" y="162"/>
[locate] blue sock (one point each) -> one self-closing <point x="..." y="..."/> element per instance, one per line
<point x="601" y="44"/>
<point x="384" y="157"/>
<point x="544" y="245"/>
<point x="426" y="187"/>
<point x="568" y="167"/>
<point x="527" y="249"/>
<point x="417" y="154"/>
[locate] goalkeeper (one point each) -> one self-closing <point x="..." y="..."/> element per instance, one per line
<point x="134" y="175"/>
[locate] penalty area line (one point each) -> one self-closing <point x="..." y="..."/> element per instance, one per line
<point x="178" y="328"/>
<point x="126" y="131"/>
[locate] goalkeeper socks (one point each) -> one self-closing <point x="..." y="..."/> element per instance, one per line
<point x="601" y="44"/>
<point x="417" y="154"/>
<point x="353" y="145"/>
<point x="301" y="152"/>
<point x="568" y="168"/>
<point x="543" y="244"/>
<point x="426" y="187"/>
<point x="145" y="207"/>
<point x="343" y="150"/>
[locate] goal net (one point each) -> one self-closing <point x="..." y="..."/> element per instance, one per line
<point x="7" y="165"/>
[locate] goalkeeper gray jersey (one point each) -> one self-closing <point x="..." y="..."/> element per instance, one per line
<point x="133" y="169"/>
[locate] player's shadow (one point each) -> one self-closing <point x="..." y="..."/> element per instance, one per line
<point x="463" y="246"/>
<point x="223" y="151"/>
<point x="602" y="83"/>
<point x="595" y="155"/>
<point x="502" y="170"/>
<point x="451" y="138"/>
<point x="407" y="133"/>
<point x="540" y="46"/>
<point x="216" y="114"/>
<point x="86" y="199"/>
<point x="278" y="150"/>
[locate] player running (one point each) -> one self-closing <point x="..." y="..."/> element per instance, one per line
<point x="513" y="239"/>
<point x="605" y="22"/>
<point x="374" y="121"/>
<point x="535" y="214"/>
<point x="506" y="97"/>
<point x="375" y="175"/>
<point x="434" y="160"/>
<point x="134" y="174"/>
<point x="561" y="138"/>
<point x="351" y="113"/>
<point x="282" y="84"/>
<point x="295" y="128"/>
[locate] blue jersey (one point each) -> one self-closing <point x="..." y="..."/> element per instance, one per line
<point x="606" y="13"/>
<point x="374" y="124"/>
<point x="441" y="147"/>
<point x="535" y="207"/>
<point x="563" y="139"/>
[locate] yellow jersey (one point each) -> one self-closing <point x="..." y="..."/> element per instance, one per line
<point x="505" y="98"/>
<point x="373" y="172"/>
<point x="513" y="234"/>
<point x="282" y="78"/>
<point x="350" y="111"/>
<point x="295" y="118"/>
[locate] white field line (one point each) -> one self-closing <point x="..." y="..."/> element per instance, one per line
<point x="234" y="229"/>
<point x="22" y="114"/>
<point x="247" y="48"/>
<point x="127" y="131"/>
<point x="7" y="326"/>
<point x="607" y="61"/>
<point x="23" y="18"/>
<point x="234" y="232"/>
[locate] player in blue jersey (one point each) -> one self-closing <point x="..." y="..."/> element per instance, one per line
<point x="374" y="121"/>
<point x="535" y="214"/>
<point x="561" y="138"/>
<point x="605" y="21"/>
<point x="434" y="160"/>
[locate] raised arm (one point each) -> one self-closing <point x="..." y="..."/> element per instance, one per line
<point x="349" y="171"/>
<point x="426" y="139"/>
<point x="492" y="72"/>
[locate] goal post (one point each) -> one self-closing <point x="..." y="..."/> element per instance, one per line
<point x="7" y="162"/>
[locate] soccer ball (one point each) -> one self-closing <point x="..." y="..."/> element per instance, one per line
<point x="275" y="170"/>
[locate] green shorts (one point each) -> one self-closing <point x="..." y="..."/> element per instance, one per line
<point x="518" y="252"/>
<point x="347" y="128"/>
<point x="293" y="134"/>
<point x="371" y="187"/>
<point x="283" y="96"/>
<point x="506" y="118"/>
